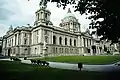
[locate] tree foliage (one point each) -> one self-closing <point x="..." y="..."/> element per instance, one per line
<point x="0" y="49"/>
<point x="108" y="10"/>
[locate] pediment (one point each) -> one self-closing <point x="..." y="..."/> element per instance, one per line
<point x="87" y="34"/>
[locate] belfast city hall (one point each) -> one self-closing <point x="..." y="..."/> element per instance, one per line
<point x="45" y="39"/>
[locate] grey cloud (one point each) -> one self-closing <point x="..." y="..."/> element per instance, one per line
<point x="8" y="8"/>
<point x="5" y="14"/>
<point x="2" y="2"/>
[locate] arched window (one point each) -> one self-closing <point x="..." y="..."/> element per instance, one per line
<point x="25" y="34"/>
<point x="60" y="40"/>
<point x="70" y="42"/>
<point x="74" y="42"/>
<point x="54" y="39"/>
<point x="56" y="50"/>
<point x="65" y="41"/>
<point x="38" y="16"/>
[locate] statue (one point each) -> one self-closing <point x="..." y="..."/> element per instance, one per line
<point x="43" y="3"/>
<point x="10" y="28"/>
<point x="44" y="46"/>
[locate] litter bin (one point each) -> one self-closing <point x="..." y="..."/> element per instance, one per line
<point x="25" y="58"/>
<point x="80" y="66"/>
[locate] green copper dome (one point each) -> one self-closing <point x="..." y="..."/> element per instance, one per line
<point x="69" y="17"/>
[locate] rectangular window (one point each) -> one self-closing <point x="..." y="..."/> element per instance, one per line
<point x="25" y="35"/>
<point x="38" y="16"/>
<point x="74" y="42"/>
<point x="45" y="32"/>
<point x="25" y="41"/>
<point x="45" y="15"/>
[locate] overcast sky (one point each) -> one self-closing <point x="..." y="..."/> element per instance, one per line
<point x="22" y="12"/>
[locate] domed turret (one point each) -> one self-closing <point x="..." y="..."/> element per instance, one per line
<point x="70" y="23"/>
<point x="43" y="14"/>
<point x="69" y="17"/>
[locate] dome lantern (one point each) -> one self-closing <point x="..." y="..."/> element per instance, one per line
<point x="69" y="22"/>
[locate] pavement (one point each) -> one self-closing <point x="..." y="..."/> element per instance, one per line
<point x="69" y="66"/>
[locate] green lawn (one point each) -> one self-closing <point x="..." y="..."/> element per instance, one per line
<point x="84" y="59"/>
<point x="20" y="71"/>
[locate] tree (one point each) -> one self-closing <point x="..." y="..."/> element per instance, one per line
<point x="0" y="49"/>
<point x="108" y="10"/>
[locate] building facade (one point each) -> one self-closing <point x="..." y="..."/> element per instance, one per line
<point x="0" y="45"/>
<point x="46" y="39"/>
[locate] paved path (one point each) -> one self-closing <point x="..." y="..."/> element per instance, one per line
<point x="99" y="68"/>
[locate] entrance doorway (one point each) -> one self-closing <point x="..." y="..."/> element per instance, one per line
<point x="94" y="49"/>
<point x="9" y="52"/>
<point x="88" y="50"/>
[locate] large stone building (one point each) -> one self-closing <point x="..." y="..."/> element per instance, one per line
<point x="0" y="45"/>
<point x="46" y="39"/>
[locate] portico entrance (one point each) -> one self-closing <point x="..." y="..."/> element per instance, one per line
<point x="88" y="50"/>
<point x="94" y="49"/>
<point x="9" y="52"/>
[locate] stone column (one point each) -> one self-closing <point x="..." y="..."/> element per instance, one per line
<point x="91" y="41"/>
<point x="36" y="17"/>
<point x="44" y="49"/>
<point x="41" y="36"/>
<point x="82" y="41"/>
<point x="82" y="44"/>
<point x="40" y="16"/>
<point x="68" y="41"/>
<point x="78" y="45"/>
<point x="32" y="38"/>
<point x="78" y="41"/>
<point x="18" y="43"/>
<point x="57" y="40"/>
<point x="96" y="50"/>
<point x="91" y="50"/>
<point x="17" y="39"/>
<point x="86" y="42"/>
<point x="52" y="37"/>
<point x="99" y="50"/>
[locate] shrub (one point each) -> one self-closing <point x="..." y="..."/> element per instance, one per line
<point x="16" y="59"/>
